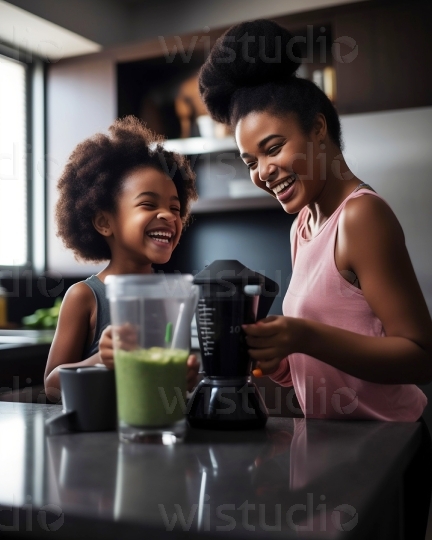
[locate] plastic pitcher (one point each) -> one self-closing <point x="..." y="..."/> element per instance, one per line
<point x="151" y="317"/>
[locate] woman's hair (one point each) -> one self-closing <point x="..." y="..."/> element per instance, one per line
<point x="93" y="178"/>
<point x="251" y="68"/>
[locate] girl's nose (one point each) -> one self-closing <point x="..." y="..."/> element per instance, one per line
<point x="167" y="215"/>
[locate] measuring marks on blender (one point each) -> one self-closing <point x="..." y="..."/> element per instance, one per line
<point x="206" y="326"/>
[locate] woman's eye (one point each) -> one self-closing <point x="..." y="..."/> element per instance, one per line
<point x="274" y="149"/>
<point x="250" y="165"/>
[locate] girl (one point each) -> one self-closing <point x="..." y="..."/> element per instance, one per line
<point x="125" y="199"/>
<point x="355" y="336"/>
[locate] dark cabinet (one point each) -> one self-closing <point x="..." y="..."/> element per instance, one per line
<point x="391" y="69"/>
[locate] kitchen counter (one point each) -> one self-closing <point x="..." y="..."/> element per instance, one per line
<point x="23" y="357"/>
<point x="297" y="478"/>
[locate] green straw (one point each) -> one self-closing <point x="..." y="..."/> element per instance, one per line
<point x="168" y="333"/>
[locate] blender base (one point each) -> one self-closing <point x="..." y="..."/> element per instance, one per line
<point x="224" y="404"/>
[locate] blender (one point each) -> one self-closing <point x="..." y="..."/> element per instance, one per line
<point x="230" y="295"/>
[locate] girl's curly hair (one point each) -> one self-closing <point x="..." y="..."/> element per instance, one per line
<point x="93" y="177"/>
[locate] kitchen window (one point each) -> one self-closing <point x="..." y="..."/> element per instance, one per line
<point x="22" y="162"/>
<point x="13" y="163"/>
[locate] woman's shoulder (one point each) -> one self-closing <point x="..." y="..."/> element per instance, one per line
<point x="369" y="215"/>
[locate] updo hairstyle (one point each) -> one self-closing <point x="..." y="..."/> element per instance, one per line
<point x="252" y="68"/>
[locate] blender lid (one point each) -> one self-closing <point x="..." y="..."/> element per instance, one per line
<point x="230" y="271"/>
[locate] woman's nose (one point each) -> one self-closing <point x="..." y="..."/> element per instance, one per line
<point x="267" y="172"/>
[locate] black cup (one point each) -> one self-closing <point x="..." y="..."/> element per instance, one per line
<point x="89" y="400"/>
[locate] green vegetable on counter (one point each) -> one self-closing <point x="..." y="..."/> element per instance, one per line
<point x="43" y="318"/>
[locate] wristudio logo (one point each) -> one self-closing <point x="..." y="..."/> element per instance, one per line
<point x="324" y="400"/>
<point x="318" y="401"/>
<point x="344" y="49"/>
<point x="299" y="517"/>
<point x="14" y="518"/>
<point x="225" y="405"/>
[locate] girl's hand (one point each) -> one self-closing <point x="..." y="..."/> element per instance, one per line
<point x="192" y="372"/>
<point x="106" y="349"/>
<point x="271" y="340"/>
<point x="128" y="337"/>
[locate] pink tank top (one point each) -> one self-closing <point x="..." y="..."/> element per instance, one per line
<point x="318" y="292"/>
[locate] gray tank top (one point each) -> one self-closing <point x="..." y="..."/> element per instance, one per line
<point x="102" y="313"/>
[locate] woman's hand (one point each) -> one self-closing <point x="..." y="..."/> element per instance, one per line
<point x="271" y="340"/>
<point x="192" y="372"/>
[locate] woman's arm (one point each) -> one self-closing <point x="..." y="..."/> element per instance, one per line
<point x="282" y="375"/>
<point x="372" y="240"/>
<point x="71" y="336"/>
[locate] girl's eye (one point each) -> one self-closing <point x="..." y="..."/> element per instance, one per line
<point x="175" y="209"/>
<point x="147" y="205"/>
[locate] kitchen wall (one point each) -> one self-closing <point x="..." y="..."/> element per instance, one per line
<point x="391" y="150"/>
<point x="96" y="81"/>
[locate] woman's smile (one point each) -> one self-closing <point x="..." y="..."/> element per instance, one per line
<point x="278" y="155"/>
<point x="284" y="189"/>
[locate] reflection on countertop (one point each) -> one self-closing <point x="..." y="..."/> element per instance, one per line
<point x="295" y="478"/>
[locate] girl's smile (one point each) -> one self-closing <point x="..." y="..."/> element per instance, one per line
<point x="162" y="237"/>
<point x="146" y="226"/>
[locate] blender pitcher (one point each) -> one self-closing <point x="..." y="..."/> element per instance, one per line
<point x="230" y="295"/>
<point x="151" y="317"/>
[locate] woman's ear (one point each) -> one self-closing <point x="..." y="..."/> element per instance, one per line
<point x="101" y="223"/>
<point x="319" y="129"/>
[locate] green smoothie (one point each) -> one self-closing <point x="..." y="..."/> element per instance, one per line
<point x="146" y="382"/>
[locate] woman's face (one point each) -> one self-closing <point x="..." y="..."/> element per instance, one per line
<point x="281" y="159"/>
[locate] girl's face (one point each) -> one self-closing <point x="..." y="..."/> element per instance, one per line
<point x="147" y="225"/>
<point x="281" y="159"/>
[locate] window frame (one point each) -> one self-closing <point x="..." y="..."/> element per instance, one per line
<point x="35" y="76"/>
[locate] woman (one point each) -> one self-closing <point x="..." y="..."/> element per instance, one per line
<point x="356" y="335"/>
